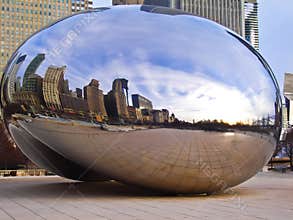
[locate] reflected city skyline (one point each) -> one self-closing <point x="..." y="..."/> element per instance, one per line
<point x="147" y="58"/>
<point x="51" y="96"/>
<point x="142" y="95"/>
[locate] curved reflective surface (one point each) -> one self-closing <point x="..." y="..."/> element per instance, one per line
<point x="143" y="95"/>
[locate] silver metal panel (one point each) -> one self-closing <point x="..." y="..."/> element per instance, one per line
<point x="211" y="105"/>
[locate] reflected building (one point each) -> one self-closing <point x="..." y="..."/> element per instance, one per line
<point x="288" y="93"/>
<point x="17" y="84"/>
<point x="66" y="87"/>
<point x="95" y="99"/>
<point x="12" y="79"/>
<point x="59" y="131"/>
<point x="147" y="116"/>
<point x="132" y="117"/>
<point x="34" y="83"/>
<point x="160" y="116"/>
<point x="144" y="108"/>
<point x="53" y="85"/>
<point x="116" y="101"/>
<point x="141" y="102"/>
<point x="172" y="118"/>
<point x="31" y="101"/>
<point x="165" y="115"/>
<point x="135" y="115"/>
<point x="157" y="116"/>
<point x="73" y="104"/>
<point x="32" y="94"/>
<point x="31" y="69"/>
<point x="78" y="92"/>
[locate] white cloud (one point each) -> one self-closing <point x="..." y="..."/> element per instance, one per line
<point x="201" y="97"/>
<point x="185" y="64"/>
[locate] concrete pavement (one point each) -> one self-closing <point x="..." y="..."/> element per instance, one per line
<point x="268" y="195"/>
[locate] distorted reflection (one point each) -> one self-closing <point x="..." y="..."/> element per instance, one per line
<point x="124" y="82"/>
<point x="51" y="96"/>
<point x="49" y="77"/>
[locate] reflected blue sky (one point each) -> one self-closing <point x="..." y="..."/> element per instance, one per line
<point x="186" y="70"/>
<point x="275" y="20"/>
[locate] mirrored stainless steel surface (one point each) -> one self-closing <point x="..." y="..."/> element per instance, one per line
<point x="143" y="95"/>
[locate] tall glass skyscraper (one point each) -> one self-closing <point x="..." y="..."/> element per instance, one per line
<point x="251" y="22"/>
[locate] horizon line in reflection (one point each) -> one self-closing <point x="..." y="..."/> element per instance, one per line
<point x="51" y="95"/>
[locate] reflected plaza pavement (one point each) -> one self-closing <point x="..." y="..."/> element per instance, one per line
<point x="145" y="111"/>
<point x="144" y="95"/>
<point x="268" y="195"/>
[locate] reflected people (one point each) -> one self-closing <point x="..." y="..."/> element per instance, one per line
<point x="144" y="95"/>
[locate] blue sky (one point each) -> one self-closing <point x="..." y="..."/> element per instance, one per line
<point x="276" y="45"/>
<point x="275" y="22"/>
<point x="186" y="78"/>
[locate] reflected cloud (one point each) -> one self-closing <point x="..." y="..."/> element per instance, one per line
<point x="201" y="64"/>
<point x="193" y="79"/>
<point x="143" y="98"/>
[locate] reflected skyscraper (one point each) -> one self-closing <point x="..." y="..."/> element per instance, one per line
<point x="157" y="116"/>
<point x="32" y="68"/>
<point x="78" y="92"/>
<point x="73" y="104"/>
<point x="202" y="80"/>
<point x="53" y="85"/>
<point x="18" y="84"/>
<point x="141" y="102"/>
<point x="116" y="101"/>
<point x="165" y="115"/>
<point x="95" y="98"/>
<point x="12" y="79"/>
<point x="66" y="86"/>
<point x="34" y="83"/>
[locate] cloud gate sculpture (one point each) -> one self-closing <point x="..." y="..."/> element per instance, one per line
<point x="143" y="95"/>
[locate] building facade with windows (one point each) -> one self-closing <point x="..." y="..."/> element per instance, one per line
<point x="251" y="22"/>
<point x="241" y="16"/>
<point x="141" y="102"/>
<point x="81" y="5"/>
<point x="20" y="19"/>
<point x="95" y="98"/>
<point x="53" y="85"/>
